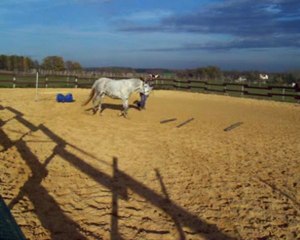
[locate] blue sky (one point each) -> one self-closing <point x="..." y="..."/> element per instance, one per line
<point x="230" y="34"/>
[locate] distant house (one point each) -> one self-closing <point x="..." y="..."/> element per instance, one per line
<point x="296" y="85"/>
<point x="263" y="77"/>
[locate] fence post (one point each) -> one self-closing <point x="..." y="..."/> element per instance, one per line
<point x="76" y="82"/>
<point x="36" y="85"/>
<point x="283" y="94"/>
<point x="14" y="82"/>
<point x="46" y="82"/>
<point x="243" y="89"/>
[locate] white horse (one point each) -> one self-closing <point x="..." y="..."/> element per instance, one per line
<point x="118" y="89"/>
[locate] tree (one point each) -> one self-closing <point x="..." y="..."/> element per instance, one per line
<point x="14" y="62"/>
<point x="206" y="73"/>
<point x="8" y="63"/>
<point x="3" y="61"/>
<point x="77" y="66"/>
<point x="54" y="63"/>
<point x="27" y="64"/>
<point x="35" y="64"/>
<point x="73" y="66"/>
<point x="213" y="73"/>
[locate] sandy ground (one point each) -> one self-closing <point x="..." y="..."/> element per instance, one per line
<point x="68" y="174"/>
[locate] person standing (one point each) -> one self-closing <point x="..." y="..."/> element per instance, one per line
<point x="148" y="86"/>
<point x="144" y="95"/>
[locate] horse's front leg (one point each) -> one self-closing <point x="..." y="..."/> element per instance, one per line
<point x="125" y="108"/>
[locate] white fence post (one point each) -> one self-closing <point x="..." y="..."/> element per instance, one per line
<point x="36" y="85"/>
<point x="14" y="82"/>
<point x="76" y="82"/>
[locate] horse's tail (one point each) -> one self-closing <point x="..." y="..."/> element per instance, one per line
<point x="92" y="93"/>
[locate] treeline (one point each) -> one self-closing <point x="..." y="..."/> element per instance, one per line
<point x="253" y="76"/>
<point x="19" y="63"/>
<point x="212" y="73"/>
<point x="203" y="73"/>
<point x="57" y="63"/>
<point x="25" y="64"/>
<point x="209" y="73"/>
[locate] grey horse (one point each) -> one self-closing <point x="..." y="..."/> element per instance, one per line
<point x="117" y="89"/>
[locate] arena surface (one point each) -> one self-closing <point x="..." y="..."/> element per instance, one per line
<point x="68" y="174"/>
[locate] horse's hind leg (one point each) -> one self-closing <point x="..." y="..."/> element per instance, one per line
<point x="97" y="103"/>
<point x="125" y="108"/>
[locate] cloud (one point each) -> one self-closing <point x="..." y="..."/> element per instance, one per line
<point x="63" y="31"/>
<point x="252" y="24"/>
<point x="90" y="1"/>
<point x="153" y="15"/>
<point x="14" y="2"/>
<point x="242" y="18"/>
<point x="239" y="43"/>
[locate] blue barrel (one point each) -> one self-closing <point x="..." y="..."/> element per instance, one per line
<point x="69" y="97"/>
<point x="60" y="97"/>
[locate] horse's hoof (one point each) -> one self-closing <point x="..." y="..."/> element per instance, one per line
<point x="123" y="114"/>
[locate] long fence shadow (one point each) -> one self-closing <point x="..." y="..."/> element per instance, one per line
<point x="174" y="217"/>
<point x="118" y="184"/>
<point x="47" y="209"/>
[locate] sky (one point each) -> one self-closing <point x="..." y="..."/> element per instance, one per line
<point x="177" y="34"/>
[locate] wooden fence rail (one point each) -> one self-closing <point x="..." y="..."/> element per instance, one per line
<point x="274" y="92"/>
<point x="284" y="93"/>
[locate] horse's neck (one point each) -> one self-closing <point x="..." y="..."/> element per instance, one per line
<point x="137" y="85"/>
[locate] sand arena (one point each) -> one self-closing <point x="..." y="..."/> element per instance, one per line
<point x="68" y="174"/>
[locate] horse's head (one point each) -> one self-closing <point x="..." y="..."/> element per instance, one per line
<point x="153" y="76"/>
<point x="145" y="88"/>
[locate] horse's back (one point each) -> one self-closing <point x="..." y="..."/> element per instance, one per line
<point x="99" y="84"/>
<point x="117" y="88"/>
<point x="123" y="84"/>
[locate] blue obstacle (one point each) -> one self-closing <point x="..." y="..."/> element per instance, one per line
<point x="67" y="98"/>
<point x="60" y="97"/>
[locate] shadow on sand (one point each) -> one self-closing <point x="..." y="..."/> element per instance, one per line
<point x="110" y="106"/>
<point x="52" y="216"/>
